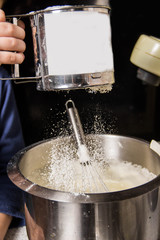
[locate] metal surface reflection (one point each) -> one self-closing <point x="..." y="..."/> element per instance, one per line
<point x="131" y="214"/>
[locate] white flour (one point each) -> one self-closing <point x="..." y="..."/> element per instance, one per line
<point x="66" y="172"/>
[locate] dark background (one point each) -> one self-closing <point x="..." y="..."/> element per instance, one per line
<point x="131" y="108"/>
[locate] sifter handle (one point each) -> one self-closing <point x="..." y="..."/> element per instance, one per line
<point x="16" y="66"/>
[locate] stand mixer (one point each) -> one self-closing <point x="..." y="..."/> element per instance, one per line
<point x="146" y="55"/>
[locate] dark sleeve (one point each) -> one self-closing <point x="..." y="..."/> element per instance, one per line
<point x="11" y="141"/>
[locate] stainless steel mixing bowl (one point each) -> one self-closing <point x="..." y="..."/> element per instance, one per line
<point x="132" y="214"/>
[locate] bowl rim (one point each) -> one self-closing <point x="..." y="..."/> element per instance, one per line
<point x="34" y="189"/>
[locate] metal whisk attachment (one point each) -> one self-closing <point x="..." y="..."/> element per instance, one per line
<point x="90" y="173"/>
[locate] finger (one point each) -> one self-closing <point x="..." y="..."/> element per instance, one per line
<point x="11" y="57"/>
<point x="10" y="30"/>
<point x="12" y="44"/>
<point x="21" y="24"/>
<point x="2" y="16"/>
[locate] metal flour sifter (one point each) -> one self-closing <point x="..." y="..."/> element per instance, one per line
<point x="72" y="47"/>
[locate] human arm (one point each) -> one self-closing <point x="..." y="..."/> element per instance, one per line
<point x="12" y="45"/>
<point x="5" y="221"/>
